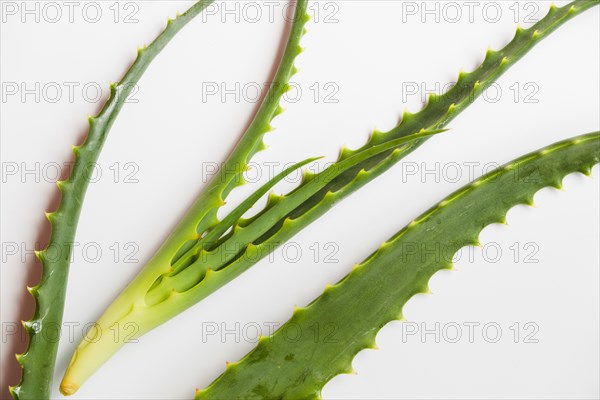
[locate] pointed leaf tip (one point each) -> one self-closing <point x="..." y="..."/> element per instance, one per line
<point x="67" y="388"/>
<point x="14" y="391"/>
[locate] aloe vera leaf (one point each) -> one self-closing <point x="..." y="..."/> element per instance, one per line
<point x="49" y="294"/>
<point x="201" y="217"/>
<point x="376" y="290"/>
<point x="220" y="256"/>
<point x="137" y="306"/>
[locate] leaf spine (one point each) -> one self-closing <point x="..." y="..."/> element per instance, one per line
<point x="345" y="152"/>
<point x="33" y="290"/>
<point x="364" y="172"/>
<point x="350" y="371"/>
<point x="432" y="98"/>
<point x="406" y="115"/>
<point x="520" y="30"/>
<point x="263" y="339"/>
<point x="14" y="391"/>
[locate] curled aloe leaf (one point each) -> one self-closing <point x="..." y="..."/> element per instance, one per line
<point x="376" y="290"/>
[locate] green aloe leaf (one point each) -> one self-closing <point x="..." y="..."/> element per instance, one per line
<point x="376" y="290"/>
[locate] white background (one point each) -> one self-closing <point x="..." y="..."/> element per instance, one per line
<point x="370" y="51"/>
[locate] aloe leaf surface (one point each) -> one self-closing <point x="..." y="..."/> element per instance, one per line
<point x="49" y="294"/>
<point x="376" y="290"/>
